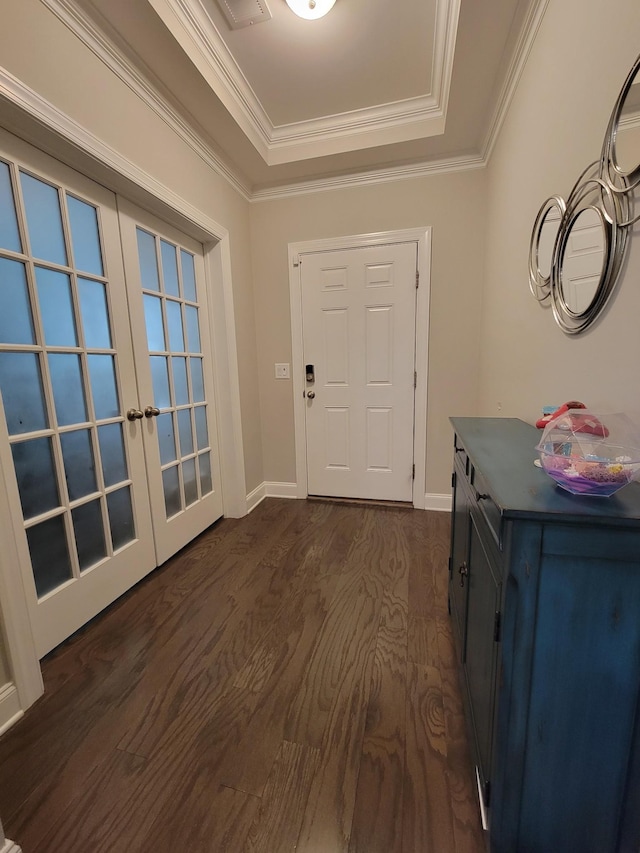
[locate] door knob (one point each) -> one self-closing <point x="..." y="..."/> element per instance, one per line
<point x="134" y="414"/>
<point x="151" y="412"/>
<point x="311" y="394"/>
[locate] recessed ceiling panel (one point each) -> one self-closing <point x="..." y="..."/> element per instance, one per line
<point x="361" y="54"/>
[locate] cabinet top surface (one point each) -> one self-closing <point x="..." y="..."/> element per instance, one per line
<point x="503" y="451"/>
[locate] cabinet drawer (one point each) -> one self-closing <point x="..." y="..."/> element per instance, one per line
<point x="486" y="505"/>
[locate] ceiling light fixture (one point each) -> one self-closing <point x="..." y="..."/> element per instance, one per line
<point x="310" y="9"/>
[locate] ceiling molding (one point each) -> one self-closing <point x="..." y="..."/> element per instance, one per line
<point x="446" y="32"/>
<point x="375" y="176"/>
<point x="519" y="59"/>
<point x="383" y="124"/>
<point x="191" y="26"/>
<point x="84" y="28"/>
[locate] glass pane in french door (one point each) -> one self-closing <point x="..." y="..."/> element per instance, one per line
<point x="63" y="379"/>
<point x="176" y="386"/>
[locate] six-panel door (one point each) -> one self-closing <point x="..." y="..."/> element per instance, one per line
<point x="359" y="334"/>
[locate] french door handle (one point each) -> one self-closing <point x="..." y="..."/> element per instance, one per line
<point x="151" y="412"/>
<point x="134" y="414"/>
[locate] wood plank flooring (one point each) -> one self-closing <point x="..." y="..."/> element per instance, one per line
<point x="285" y="683"/>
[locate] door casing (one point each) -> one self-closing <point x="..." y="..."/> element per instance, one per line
<point x="419" y="236"/>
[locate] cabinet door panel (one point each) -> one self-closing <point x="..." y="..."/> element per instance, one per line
<point x="481" y="648"/>
<point x="583" y="694"/>
<point x="458" y="585"/>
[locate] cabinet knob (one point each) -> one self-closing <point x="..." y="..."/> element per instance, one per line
<point x="463" y="571"/>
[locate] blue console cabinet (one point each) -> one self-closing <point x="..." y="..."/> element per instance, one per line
<point x="544" y="594"/>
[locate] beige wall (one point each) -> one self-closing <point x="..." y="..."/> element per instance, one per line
<point x="41" y="52"/>
<point x="553" y="130"/>
<point x="453" y="204"/>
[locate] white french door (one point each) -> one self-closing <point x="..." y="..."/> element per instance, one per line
<point x="358" y="318"/>
<point x="169" y="308"/>
<point x="87" y="492"/>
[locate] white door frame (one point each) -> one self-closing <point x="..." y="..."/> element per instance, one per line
<point x="50" y="130"/>
<point x="420" y="236"/>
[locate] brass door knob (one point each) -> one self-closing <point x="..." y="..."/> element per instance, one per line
<point x="134" y="414"/>
<point x="151" y="412"/>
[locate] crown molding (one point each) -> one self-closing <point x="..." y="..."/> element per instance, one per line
<point x="383" y="124"/>
<point x="520" y="56"/>
<point x="191" y="26"/>
<point x="375" y="176"/>
<point x="519" y="59"/>
<point x="84" y="28"/>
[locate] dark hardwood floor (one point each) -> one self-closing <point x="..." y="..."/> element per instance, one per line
<point x="285" y="683"/>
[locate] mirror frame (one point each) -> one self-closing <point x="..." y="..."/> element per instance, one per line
<point x="618" y="179"/>
<point x="607" y="189"/>
<point x="539" y="283"/>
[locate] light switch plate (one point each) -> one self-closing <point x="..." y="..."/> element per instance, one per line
<point x="282" y="371"/>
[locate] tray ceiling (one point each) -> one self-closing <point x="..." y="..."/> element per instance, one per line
<point x="372" y="85"/>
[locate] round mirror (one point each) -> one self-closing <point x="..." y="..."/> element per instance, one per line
<point x="577" y="247"/>
<point x="543" y="238"/>
<point x="583" y="261"/>
<point x="586" y="256"/>
<point x="626" y="148"/>
<point x="621" y="149"/>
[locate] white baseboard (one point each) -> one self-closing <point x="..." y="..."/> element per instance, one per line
<point x="438" y="503"/>
<point x="256" y="496"/>
<point x="281" y="490"/>
<point x="270" y="490"/>
<point x="10" y="847"/>
<point x="10" y="710"/>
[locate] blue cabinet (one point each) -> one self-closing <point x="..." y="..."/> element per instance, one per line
<point x="545" y="603"/>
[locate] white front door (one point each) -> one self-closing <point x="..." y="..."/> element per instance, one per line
<point x="81" y="463"/>
<point x="358" y="317"/>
